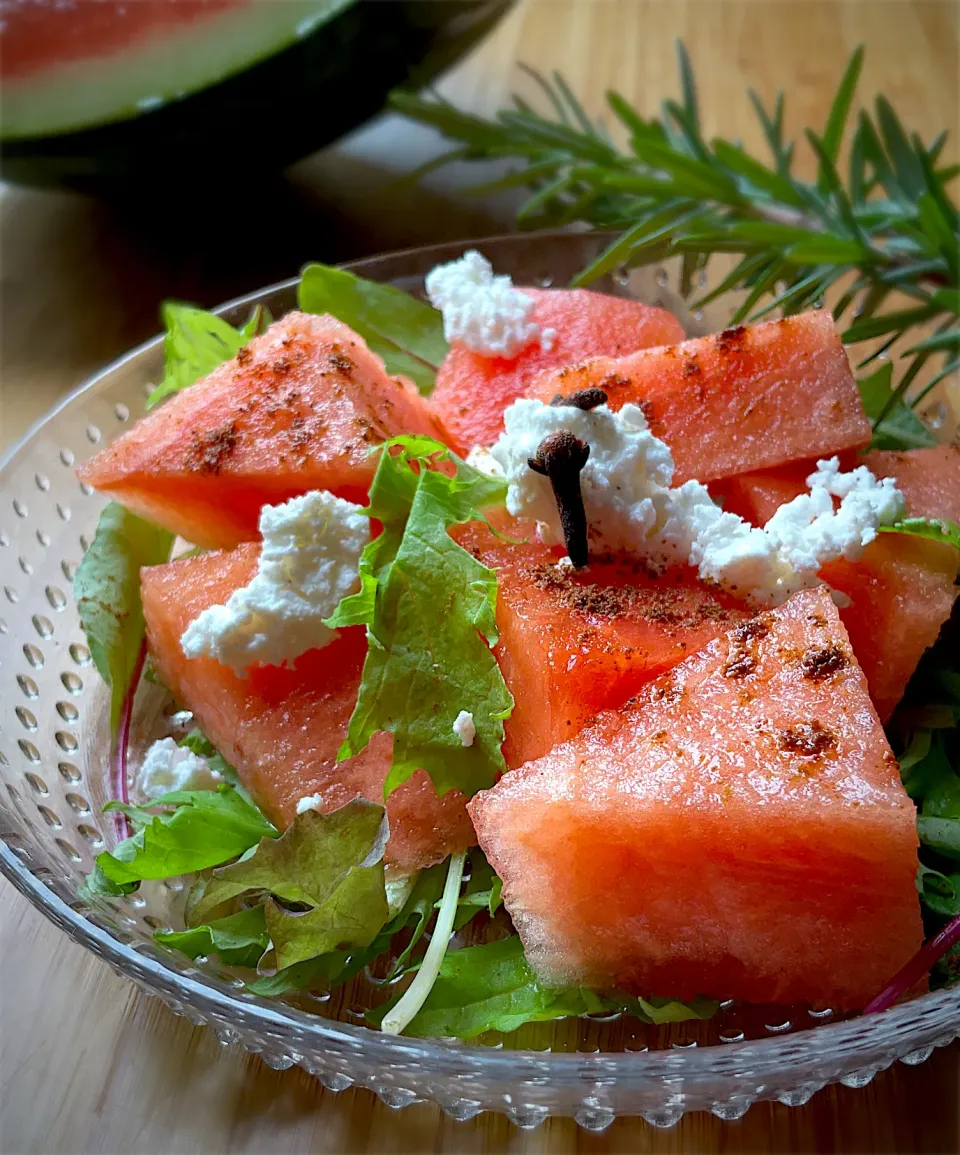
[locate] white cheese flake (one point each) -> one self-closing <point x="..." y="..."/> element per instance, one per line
<point x="310" y="802"/>
<point x="309" y="561"/>
<point x="167" y="767"/>
<point x="481" y="459"/>
<point x="483" y="311"/>
<point x="465" y="728"/>
<point x="631" y="507"/>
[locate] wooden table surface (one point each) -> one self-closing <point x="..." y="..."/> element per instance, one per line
<point x="86" y="1063"/>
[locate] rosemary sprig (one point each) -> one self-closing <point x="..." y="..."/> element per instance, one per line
<point x="888" y="228"/>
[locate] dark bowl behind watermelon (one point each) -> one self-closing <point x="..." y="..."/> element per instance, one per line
<point x="101" y="95"/>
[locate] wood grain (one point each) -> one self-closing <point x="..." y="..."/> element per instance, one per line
<point x="86" y="1063"/>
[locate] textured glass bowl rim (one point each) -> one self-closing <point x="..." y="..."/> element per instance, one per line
<point x="926" y="1016"/>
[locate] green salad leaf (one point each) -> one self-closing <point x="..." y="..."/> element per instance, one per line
<point x="337" y="967"/>
<point x="194" y="830"/>
<point x="196" y="342"/>
<point x="405" y="332"/>
<point x="940" y="892"/>
<point x="106" y="587"/>
<point x="934" y="528"/>
<point x="239" y="939"/>
<point x="900" y="428"/>
<point x="430" y="611"/>
<point x="321" y="881"/>
<point x="925" y="734"/>
<point x="493" y="988"/>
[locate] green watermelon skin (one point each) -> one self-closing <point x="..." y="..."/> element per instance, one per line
<point x="275" y="112"/>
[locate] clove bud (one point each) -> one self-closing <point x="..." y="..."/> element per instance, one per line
<point x="585" y="399"/>
<point x="561" y="457"/>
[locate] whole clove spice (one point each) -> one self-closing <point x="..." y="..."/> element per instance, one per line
<point x="561" y="457"/>
<point x="585" y="399"/>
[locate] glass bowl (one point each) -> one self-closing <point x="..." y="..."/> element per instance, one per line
<point x="54" y="749"/>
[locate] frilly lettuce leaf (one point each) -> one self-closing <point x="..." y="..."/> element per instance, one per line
<point x="106" y="587"/>
<point x="405" y="332"/>
<point x="196" y="342"/>
<point x="337" y="967"/>
<point x="430" y="611"/>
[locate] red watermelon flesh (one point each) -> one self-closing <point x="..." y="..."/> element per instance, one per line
<point x="744" y="399"/>
<point x="472" y="391"/>
<point x="281" y="728"/>
<point x="299" y="408"/>
<point x="40" y="36"/>
<point x="902" y="589"/>
<point x="573" y="643"/>
<point x="737" y="831"/>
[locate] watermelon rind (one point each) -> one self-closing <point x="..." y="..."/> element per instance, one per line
<point x="310" y="80"/>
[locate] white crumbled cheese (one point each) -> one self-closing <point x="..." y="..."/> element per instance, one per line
<point x="168" y="767"/>
<point x="309" y="561"/>
<point x="310" y="802"/>
<point x="631" y="507"/>
<point x="622" y="482"/>
<point x="484" y="312"/>
<point x="809" y="532"/>
<point x="465" y="728"/>
<point x="481" y="459"/>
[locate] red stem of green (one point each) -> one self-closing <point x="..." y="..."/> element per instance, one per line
<point x="926" y="957"/>
<point x="120" y="789"/>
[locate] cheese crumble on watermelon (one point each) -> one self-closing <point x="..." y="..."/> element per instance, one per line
<point x="631" y="507"/>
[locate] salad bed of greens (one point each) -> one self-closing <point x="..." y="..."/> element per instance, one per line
<point x="311" y="907"/>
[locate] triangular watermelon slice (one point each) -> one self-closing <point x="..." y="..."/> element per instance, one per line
<point x="748" y="398"/>
<point x="573" y="643"/>
<point x="739" y="830"/>
<point x="298" y="408"/>
<point x="901" y="591"/>
<point x="281" y="728"/>
<point x="473" y="390"/>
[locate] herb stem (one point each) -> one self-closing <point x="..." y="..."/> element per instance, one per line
<point x="922" y="962"/>
<point x="396" y="1020"/>
<point x="120" y="789"/>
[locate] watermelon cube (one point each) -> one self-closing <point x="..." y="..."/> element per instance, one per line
<point x="902" y="589"/>
<point x="575" y="642"/>
<point x="281" y="728"/>
<point x="473" y="390"/>
<point x="739" y="830"/>
<point x="747" y="398"/>
<point x="298" y="408"/>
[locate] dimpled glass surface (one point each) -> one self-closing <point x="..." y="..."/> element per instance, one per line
<point x="54" y="778"/>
